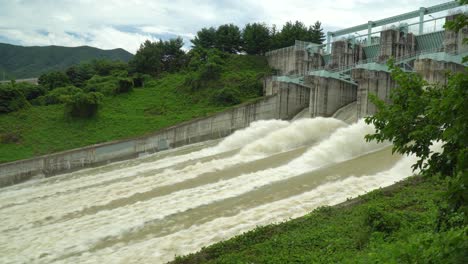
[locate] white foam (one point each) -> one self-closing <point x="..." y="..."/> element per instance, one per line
<point x="162" y="249"/>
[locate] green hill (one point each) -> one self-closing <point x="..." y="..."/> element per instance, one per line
<point x="163" y="102"/>
<point x="28" y="62"/>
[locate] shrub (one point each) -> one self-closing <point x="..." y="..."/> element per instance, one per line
<point x="138" y="81"/>
<point x="107" y="85"/>
<point x="11" y="99"/>
<point x="125" y="85"/>
<point x="210" y="71"/>
<point x="31" y="91"/>
<point x="56" y="96"/>
<point x="83" y="105"/>
<point x="378" y="219"/>
<point x="227" y="96"/>
<point x="53" y="80"/>
<point x="193" y="81"/>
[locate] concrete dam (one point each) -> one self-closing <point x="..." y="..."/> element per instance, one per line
<point x="213" y="178"/>
<point x="352" y="64"/>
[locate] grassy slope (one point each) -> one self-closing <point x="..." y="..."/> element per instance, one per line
<point x="26" y="62"/>
<point x="162" y="103"/>
<point x="341" y="235"/>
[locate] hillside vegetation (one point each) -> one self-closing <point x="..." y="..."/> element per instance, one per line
<point x="41" y="127"/>
<point x="27" y="62"/>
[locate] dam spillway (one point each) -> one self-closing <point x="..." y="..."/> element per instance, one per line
<point x="150" y="209"/>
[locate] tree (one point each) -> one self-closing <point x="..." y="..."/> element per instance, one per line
<point x="11" y="98"/>
<point x="160" y="56"/>
<point x="52" y="80"/>
<point x="83" y="105"/>
<point x="228" y="38"/>
<point x="80" y="73"/>
<point x="256" y="38"/>
<point x="318" y="36"/>
<point x="290" y="33"/>
<point x="421" y="114"/>
<point x="173" y="57"/>
<point x="205" y="38"/>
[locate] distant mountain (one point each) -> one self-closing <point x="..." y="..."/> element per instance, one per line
<point x="28" y="62"/>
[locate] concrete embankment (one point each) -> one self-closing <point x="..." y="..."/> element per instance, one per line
<point x="284" y="105"/>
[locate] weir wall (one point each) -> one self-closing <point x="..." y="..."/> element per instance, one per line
<point x="289" y="100"/>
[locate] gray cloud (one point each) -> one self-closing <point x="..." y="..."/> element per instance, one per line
<point x="111" y="24"/>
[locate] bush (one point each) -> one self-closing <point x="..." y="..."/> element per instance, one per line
<point x="138" y="81"/>
<point x="210" y="71"/>
<point x="193" y="81"/>
<point x="125" y="85"/>
<point x="31" y="91"/>
<point x="107" y="85"/>
<point x="378" y="219"/>
<point x="53" y="80"/>
<point x="56" y="96"/>
<point x="83" y="105"/>
<point x="11" y="99"/>
<point x="445" y="247"/>
<point x="227" y="96"/>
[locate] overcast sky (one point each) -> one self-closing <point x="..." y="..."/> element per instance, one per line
<point x="109" y="24"/>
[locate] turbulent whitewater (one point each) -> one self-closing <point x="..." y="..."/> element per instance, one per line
<point x="150" y="209"/>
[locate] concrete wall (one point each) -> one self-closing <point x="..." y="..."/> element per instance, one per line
<point x="436" y="71"/>
<point x="270" y="86"/>
<point x="284" y="105"/>
<point x="345" y="53"/>
<point x="453" y="41"/>
<point x="285" y="61"/>
<point x="292" y="98"/>
<point x="379" y="83"/>
<point x="395" y="43"/>
<point x="327" y="95"/>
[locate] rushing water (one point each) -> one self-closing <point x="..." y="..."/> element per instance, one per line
<point x="150" y="209"/>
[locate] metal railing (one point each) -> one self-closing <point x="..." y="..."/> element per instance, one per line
<point x="398" y="60"/>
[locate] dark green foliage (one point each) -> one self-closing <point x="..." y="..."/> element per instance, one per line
<point x="30" y="91"/>
<point x="290" y="33"/>
<point x="125" y="85"/>
<point x="28" y="62"/>
<point x="11" y="98"/>
<point x="428" y="247"/>
<point x="56" y="96"/>
<point x="205" y="66"/>
<point x="380" y="220"/>
<point x="53" y="80"/>
<point x="155" y="58"/>
<point x="257" y="39"/>
<point x="205" y="38"/>
<point x="79" y="74"/>
<point x="138" y="80"/>
<point x="228" y="38"/>
<point x="227" y="96"/>
<point x="83" y="105"/>
<point x="318" y="36"/>
<point x="107" y="67"/>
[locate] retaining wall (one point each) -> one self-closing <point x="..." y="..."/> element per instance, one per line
<point x="327" y="95"/>
<point x="284" y="105"/>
